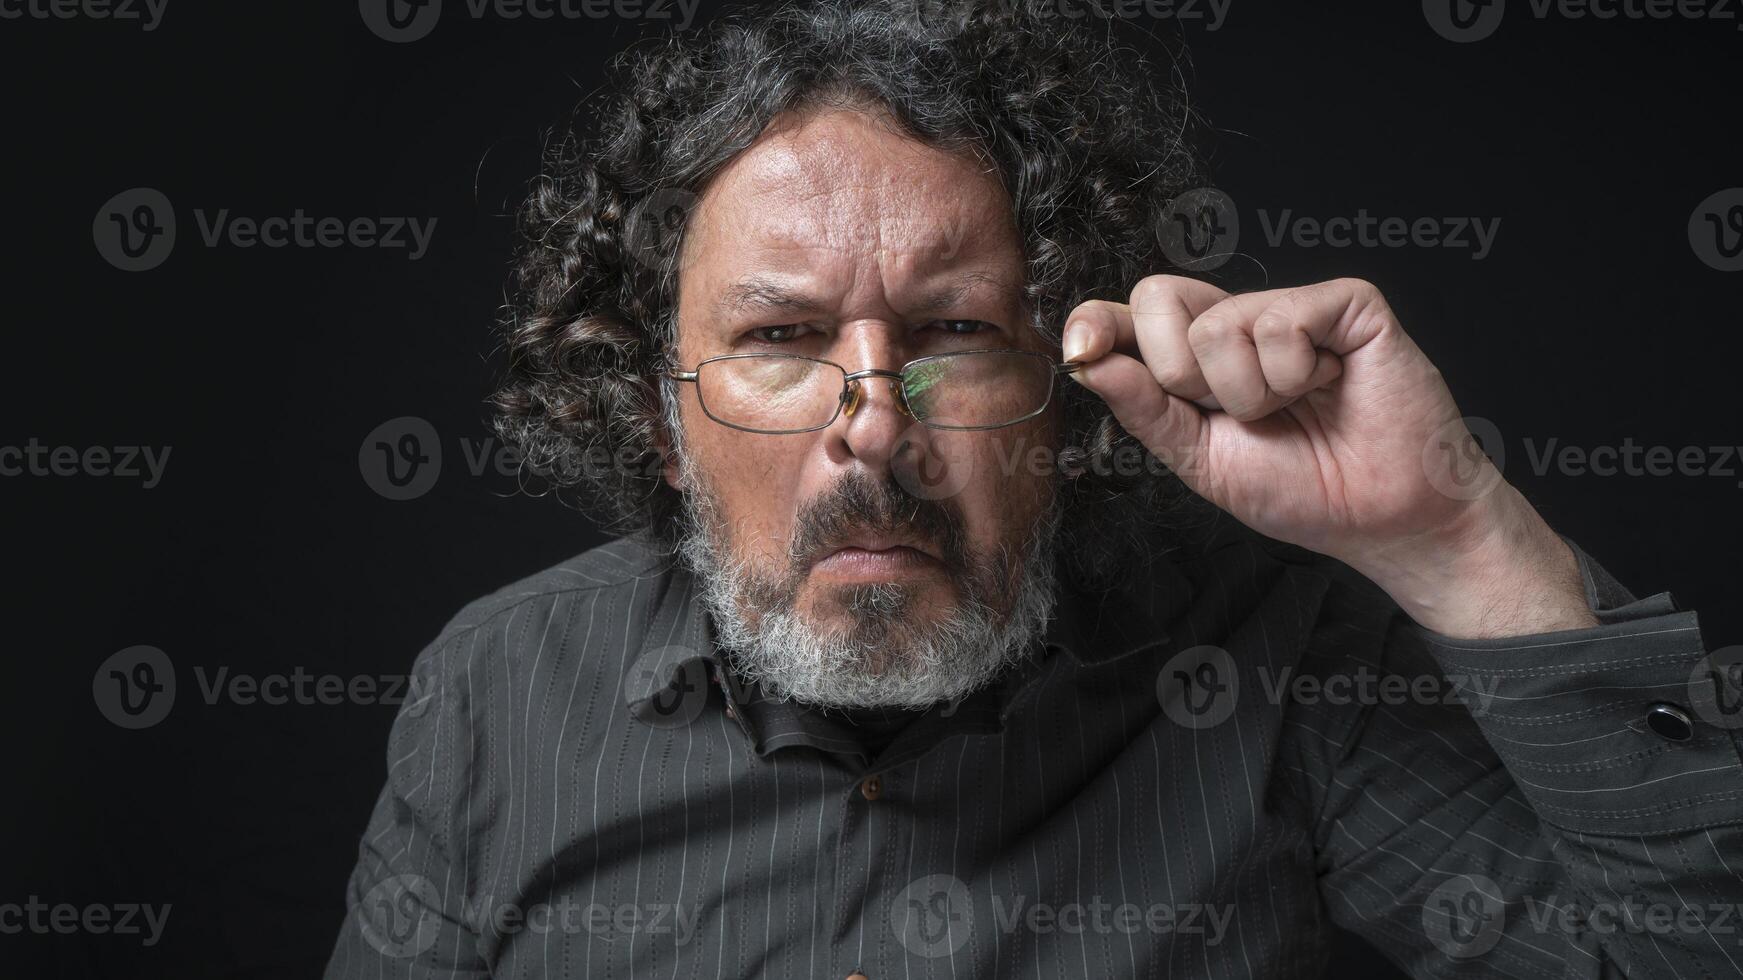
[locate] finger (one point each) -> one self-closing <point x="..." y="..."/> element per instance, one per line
<point x="1292" y="366"/>
<point x="1094" y="328"/>
<point x="1222" y="339"/>
<point x="1153" y="328"/>
<point x="1163" y="308"/>
<point x="1337" y="316"/>
<point x="1264" y="350"/>
<point x="1172" y="428"/>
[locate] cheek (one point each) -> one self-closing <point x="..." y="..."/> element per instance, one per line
<point x="754" y="479"/>
<point x="1011" y="483"/>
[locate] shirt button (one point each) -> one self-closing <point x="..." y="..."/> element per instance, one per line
<point x="871" y="788"/>
<point x="1670" y="721"/>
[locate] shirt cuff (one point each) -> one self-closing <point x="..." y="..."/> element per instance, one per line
<point x="1618" y="729"/>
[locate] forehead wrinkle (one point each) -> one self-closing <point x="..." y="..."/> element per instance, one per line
<point x="811" y="216"/>
<point x="958" y="289"/>
<point x="818" y="194"/>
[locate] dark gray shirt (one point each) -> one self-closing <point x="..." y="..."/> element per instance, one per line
<point x="1201" y="774"/>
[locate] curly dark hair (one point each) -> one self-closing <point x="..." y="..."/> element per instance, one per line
<point x="1088" y="145"/>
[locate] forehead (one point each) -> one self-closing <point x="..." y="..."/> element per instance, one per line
<point x="841" y="192"/>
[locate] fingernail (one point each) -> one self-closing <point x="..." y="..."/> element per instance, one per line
<point x="1076" y="340"/>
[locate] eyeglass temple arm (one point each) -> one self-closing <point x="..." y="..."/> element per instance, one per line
<point x="677" y="375"/>
<point x="1069" y="367"/>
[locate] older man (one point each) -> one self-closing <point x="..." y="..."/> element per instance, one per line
<point x="916" y="660"/>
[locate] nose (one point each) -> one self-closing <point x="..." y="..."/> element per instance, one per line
<point x="859" y="381"/>
<point x="874" y="418"/>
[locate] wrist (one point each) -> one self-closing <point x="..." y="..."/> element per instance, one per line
<point x="1497" y="570"/>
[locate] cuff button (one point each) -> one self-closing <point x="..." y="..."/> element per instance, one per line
<point x="1670" y="721"/>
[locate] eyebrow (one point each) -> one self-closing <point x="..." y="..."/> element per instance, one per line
<point x="764" y="295"/>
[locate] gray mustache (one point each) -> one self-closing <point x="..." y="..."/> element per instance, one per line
<point x="857" y="502"/>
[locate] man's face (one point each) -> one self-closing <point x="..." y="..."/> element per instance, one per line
<point x="833" y="237"/>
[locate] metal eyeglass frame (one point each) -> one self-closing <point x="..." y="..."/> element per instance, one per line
<point x="851" y="388"/>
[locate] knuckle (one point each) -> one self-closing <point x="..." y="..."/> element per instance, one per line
<point x="1273" y="324"/>
<point x="1210" y="327"/>
<point x="1155" y="292"/>
<point x="1175" y="374"/>
<point x="1362" y="293"/>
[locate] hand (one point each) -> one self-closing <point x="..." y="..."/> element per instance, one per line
<point x="1312" y="418"/>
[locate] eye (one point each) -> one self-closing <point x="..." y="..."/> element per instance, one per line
<point x="960" y="328"/>
<point x="784" y="333"/>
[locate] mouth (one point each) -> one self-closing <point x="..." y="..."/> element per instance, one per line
<point x="868" y="559"/>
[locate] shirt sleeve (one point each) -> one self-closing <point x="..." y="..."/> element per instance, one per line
<point x="405" y="902"/>
<point x="1567" y="804"/>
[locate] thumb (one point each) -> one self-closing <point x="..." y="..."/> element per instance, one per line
<point x="1172" y="428"/>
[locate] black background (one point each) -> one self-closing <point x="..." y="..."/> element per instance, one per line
<point x="264" y="549"/>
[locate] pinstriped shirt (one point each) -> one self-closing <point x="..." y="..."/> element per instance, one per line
<point x="1199" y="774"/>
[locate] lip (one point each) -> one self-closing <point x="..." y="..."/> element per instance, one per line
<point x="874" y="561"/>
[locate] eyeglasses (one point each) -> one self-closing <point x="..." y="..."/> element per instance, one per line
<point x="781" y="394"/>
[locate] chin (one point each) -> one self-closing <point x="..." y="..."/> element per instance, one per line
<point x="881" y="608"/>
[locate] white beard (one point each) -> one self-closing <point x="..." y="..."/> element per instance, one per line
<point x="885" y="659"/>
